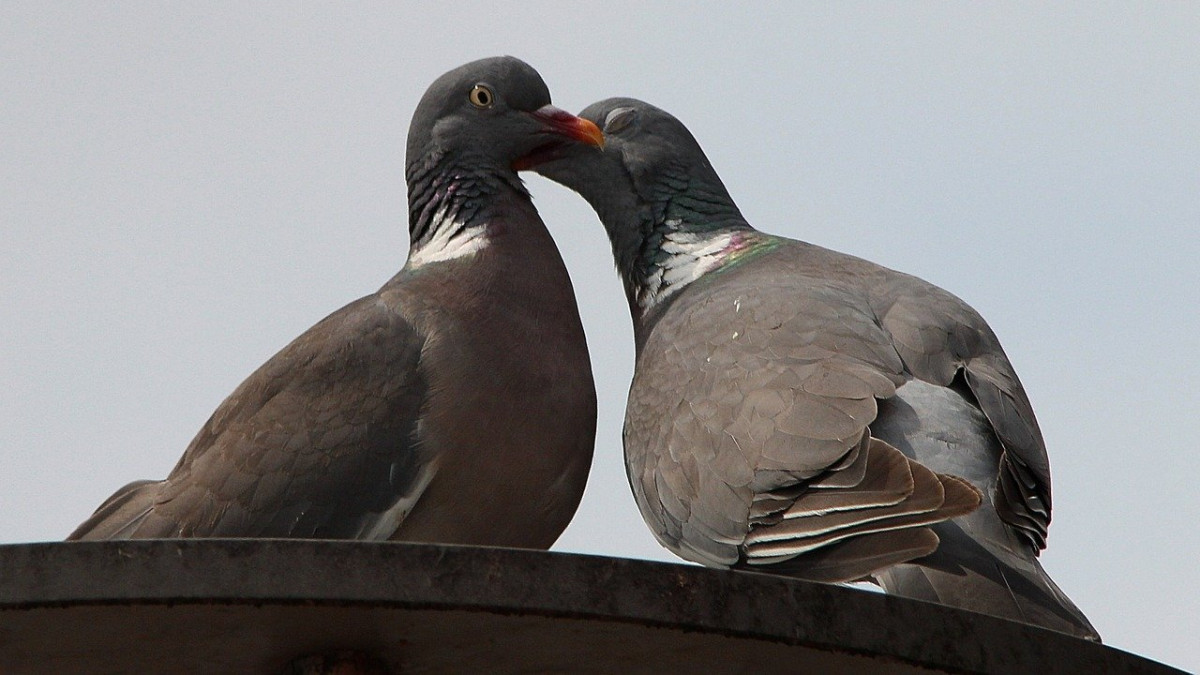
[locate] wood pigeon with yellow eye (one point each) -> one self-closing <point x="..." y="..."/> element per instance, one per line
<point x="806" y="412"/>
<point x="455" y="404"/>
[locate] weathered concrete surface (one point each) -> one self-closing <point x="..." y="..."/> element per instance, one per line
<point x="252" y="606"/>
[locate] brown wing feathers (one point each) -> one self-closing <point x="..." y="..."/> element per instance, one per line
<point x="889" y="492"/>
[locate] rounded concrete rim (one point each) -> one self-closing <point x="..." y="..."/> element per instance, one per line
<point x="512" y="581"/>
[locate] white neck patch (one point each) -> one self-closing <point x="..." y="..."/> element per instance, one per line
<point x="451" y="239"/>
<point x="690" y="256"/>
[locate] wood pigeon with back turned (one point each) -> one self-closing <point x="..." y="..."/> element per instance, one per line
<point x="455" y="404"/>
<point x="791" y="405"/>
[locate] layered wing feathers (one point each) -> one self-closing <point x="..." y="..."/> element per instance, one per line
<point x="764" y="453"/>
<point x="320" y="441"/>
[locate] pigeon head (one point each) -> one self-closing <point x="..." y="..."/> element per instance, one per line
<point x="497" y="113"/>
<point x="473" y="129"/>
<point x="650" y="162"/>
<point x="655" y="192"/>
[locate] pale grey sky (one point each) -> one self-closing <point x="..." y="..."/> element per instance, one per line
<point x="185" y="188"/>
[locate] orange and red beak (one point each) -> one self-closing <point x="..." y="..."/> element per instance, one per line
<point x="570" y="126"/>
<point x="562" y="123"/>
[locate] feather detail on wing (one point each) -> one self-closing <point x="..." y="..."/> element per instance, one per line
<point x="747" y="435"/>
<point x="895" y="494"/>
<point x="321" y="441"/>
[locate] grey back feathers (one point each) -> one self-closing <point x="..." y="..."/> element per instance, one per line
<point x="799" y="410"/>
<point x="455" y="404"/>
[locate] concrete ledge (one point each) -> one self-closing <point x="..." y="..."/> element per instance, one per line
<point x="251" y="606"/>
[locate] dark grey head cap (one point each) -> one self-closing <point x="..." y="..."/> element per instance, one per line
<point x="646" y="137"/>
<point x="495" y="110"/>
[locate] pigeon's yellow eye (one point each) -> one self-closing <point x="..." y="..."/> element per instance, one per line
<point x="481" y="97"/>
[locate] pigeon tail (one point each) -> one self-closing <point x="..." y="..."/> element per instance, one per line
<point x="983" y="564"/>
<point x="119" y="513"/>
<point x="987" y="579"/>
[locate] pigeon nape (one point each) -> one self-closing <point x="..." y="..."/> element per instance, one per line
<point x="455" y="404"/>
<point x="802" y="411"/>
